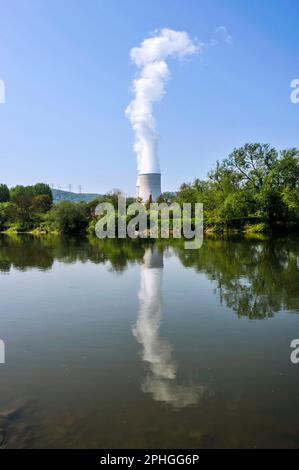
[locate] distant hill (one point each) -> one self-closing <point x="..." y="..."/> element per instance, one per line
<point x="60" y="195"/>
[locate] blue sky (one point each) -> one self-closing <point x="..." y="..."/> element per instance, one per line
<point x="67" y="73"/>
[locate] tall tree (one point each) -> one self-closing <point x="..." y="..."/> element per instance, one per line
<point x="22" y="197"/>
<point x="4" y="193"/>
<point x="252" y="163"/>
<point x="42" y="189"/>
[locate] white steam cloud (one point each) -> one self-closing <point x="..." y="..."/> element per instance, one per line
<point x="149" y="87"/>
<point x="222" y="30"/>
<point x="2" y="92"/>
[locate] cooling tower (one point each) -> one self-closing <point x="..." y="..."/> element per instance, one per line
<point x="149" y="184"/>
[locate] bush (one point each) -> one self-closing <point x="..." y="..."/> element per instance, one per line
<point x="69" y="217"/>
<point x="4" y="219"/>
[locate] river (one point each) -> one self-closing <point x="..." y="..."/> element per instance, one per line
<point x="129" y="344"/>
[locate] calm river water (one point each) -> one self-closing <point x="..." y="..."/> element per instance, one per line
<point x="125" y="345"/>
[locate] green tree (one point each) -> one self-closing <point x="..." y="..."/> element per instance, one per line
<point x="253" y="182"/>
<point x="28" y="202"/>
<point x="286" y="172"/>
<point x="148" y="203"/>
<point x="161" y="199"/>
<point x="4" y="215"/>
<point x="42" y="189"/>
<point x="4" y="193"/>
<point x="41" y="204"/>
<point x="69" y="217"/>
<point x="252" y="163"/>
<point x="22" y="198"/>
<point x="169" y="197"/>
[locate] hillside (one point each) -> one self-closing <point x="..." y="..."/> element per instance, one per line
<point x="60" y="195"/>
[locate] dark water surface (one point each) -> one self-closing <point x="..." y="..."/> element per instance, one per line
<point x="131" y="344"/>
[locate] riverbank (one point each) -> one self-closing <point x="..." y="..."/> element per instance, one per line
<point x="258" y="229"/>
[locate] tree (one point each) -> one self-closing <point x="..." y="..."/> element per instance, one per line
<point x="281" y="190"/>
<point x="69" y="217"/>
<point x="224" y="178"/>
<point x="28" y="201"/>
<point x="235" y="206"/>
<point x="42" y="189"/>
<point x="169" y="197"/>
<point x="4" y="215"/>
<point x="161" y="199"/>
<point x="112" y="197"/>
<point x="252" y="163"/>
<point x="148" y="203"/>
<point x="22" y="197"/>
<point x="4" y="193"/>
<point x="41" y="204"/>
<point x="253" y="182"/>
<point x="286" y="171"/>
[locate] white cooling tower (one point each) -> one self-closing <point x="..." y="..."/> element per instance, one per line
<point x="149" y="184"/>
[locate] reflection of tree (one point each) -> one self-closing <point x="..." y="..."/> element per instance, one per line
<point x="157" y="351"/>
<point x="254" y="278"/>
<point x="26" y="251"/>
<point x="119" y="253"/>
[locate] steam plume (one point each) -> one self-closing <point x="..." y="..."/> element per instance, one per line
<point x="149" y="87"/>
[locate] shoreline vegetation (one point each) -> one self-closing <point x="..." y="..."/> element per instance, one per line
<point x="254" y="191"/>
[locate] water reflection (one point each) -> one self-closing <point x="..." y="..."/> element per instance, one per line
<point x="25" y="252"/>
<point x="157" y="351"/>
<point x="71" y="350"/>
<point x="254" y="278"/>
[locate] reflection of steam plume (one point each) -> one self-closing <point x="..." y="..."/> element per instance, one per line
<point x="157" y="351"/>
<point x="149" y="87"/>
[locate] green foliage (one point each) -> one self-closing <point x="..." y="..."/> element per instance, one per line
<point x="4" y="193"/>
<point x="161" y="199"/>
<point x="42" y="189"/>
<point x="234" y="206"/>
<point x="22" y="198"/>
<point x="69" y="217"/>
<point x="4" y="215"/>
<point x="256" y="280"/>
<point x="41" y="203"/>
<point x="269" y="268"/>
<point x="28" y="202"/>
<point x="112" y="197"/>
<point x="255" y="229"/>
<point x="148" y="203"/>
<point x="168" y="197"/>
<point x="254" y="184"/>
<point x="252" y="163"/>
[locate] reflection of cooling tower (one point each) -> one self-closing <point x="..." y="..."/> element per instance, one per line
<point x="153" y="259"/>
<point x="157" y="351"/>
<point x="149" y="184"/>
